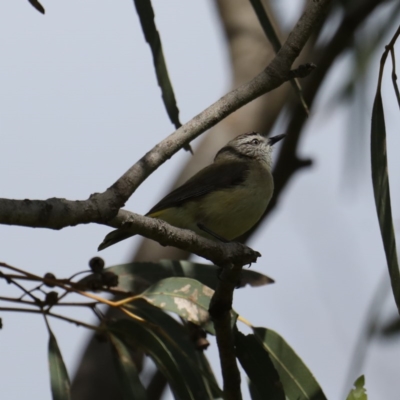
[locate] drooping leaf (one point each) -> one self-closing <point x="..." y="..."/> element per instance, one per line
<point x="259" y="367"/>
<point x="273" y="38"/>
<point x="59" y="380"/>
<point x="266" y="24"/>
<point x="359" y="392"/>
<point x="183" y="376"/>
<point x="130" y="385"/>
<point x="208" y="376"/>
<point x="37" y="6"/>
<point x="137" y="276"/>
<point x="147" y="20"/>
<point x="380" y="181"/>
<point x="177" y="339"/>
<point x="297" y="381"/>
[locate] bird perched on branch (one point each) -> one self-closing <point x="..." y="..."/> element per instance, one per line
<point x="223" y="200"/>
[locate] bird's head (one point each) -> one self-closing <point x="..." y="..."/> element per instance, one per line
<point x="250" y="146"/>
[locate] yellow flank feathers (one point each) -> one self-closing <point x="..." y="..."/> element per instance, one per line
<point x="157" y="214"/>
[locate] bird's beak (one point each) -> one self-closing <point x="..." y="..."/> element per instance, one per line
<point x="275" y="139"/>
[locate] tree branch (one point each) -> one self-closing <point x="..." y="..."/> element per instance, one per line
<point x="222" y="254"/>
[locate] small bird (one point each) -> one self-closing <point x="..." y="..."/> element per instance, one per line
<point x="223" y="200"/>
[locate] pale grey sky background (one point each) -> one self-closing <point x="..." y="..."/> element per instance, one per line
<point x="80" y="104"/>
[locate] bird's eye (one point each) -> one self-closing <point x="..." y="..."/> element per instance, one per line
<point x="255" y="142"/>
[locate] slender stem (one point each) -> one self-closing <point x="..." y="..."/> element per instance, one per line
<point x="244" y="321"/>
<point x="79" y="273"/>
<point x="116" y="304"/>
<point x="26" y="292"/>
<point x="26" y="273"/>
<point x="125" y="311"/>
<point x="73" y="321"/>
<point x="77" y="304"/>
<point x="388" y="48"/>
<point x="394" y="76"/>
<point x="18" y="300"/>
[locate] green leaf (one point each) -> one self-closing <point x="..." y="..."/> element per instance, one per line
<point x="146" y="16"/>
<point x="273" y="38"/>
<point x="37" y="6"/>
<point x="298" y="382"/>
<point x="130" y="385"/>
<point x="176" y="338"/>
<point x="60" y="386"/>
<point x="184" y="378"/>
<point x="266" y="24"/>
<point x="380" y="180"/>
<point x="359" y="392"/>
<point x="184" y="296"/>
<point x="208" y="376"/>
<point x="259" y="368"/>
<point x="137" y="276"/>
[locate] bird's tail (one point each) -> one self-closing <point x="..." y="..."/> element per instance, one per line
<point x="114" y="237"/>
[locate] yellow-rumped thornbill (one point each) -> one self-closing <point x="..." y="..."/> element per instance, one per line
<point x="223" y="200"/>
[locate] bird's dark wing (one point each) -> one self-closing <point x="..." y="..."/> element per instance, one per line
<point x="214" y="177"/>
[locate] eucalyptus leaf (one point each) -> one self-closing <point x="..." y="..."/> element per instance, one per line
<point x="37" y="6"/>
<point x="146" y="15"/>
<point x="269" y="30"/>
<point x="297" y="381"/>
<point x="380" y="180"/>
<point x="129" y="383"/>
<point x="177" y="338"/>
<point x="208" y="376"/>
<point x="183" y="375"/>
<point x="59" y="380"/>
<point x="184" y="296"/>
<point x="259" y="368"/>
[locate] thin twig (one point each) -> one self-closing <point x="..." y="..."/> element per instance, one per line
<point x="26" y="292"/>
<point x="385" y="54"/>
<point x="26" y="273"/>
<point x="76" y="285"/>
<point x="394" y="75"/>
<point x="77" y="304"/>
<point x="18" y="300"/>
<point x="27" y="310"/>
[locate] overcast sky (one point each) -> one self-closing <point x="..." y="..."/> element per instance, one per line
<point x="80" y="104"/>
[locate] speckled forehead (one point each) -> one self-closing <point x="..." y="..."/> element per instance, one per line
<point x="249" y="135"/>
